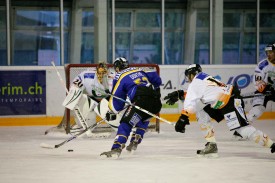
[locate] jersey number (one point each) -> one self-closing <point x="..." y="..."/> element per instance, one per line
<point x="138" y="81"/>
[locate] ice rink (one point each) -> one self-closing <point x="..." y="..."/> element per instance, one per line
<point x="167" y="157"/>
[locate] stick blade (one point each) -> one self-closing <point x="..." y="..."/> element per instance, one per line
<point x="47" y="146"/>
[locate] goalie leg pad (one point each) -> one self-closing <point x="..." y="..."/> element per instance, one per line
<point x="79" y="117"/>
<point x="86" y="105"/>
<point x="102" y="108"/>
<point x="83" y="111"/>
<point x="72" y="97"/>
<point x="91" y="118"/>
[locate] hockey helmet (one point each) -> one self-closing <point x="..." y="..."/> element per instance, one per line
<point x="121" y="63"/>
<point x="192" y="69"/>
<point x="270" y="47"/>
<point x="101" y="70"/>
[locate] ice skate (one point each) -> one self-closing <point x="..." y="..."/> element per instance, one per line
<point x="273" y="148"/>
<point x="237" y="137"/>
<point x="113" y="154"/>
<point x="210" y="150"/>
<point x="132" y="147"/>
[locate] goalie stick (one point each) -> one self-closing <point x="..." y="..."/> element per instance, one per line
<point x="48" y="146"/>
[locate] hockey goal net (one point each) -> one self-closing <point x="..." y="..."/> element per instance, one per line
<point x="72" y="70"/>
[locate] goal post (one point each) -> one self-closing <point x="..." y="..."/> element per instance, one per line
<point x="72" y="70"/>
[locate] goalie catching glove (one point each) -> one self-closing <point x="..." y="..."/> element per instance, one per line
<point x="181" y="123"/>
<point x="173" y="97"/>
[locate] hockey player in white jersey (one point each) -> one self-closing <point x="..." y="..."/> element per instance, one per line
<point x="204" y="120"/>
<point x="221" y="102"/>
<point x="264" y="82"/>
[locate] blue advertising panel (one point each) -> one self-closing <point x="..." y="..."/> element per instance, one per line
<point x="22" y="93"/>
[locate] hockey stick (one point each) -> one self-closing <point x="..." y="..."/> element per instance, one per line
<point x="143" y="110"/>
<point x="255" y="95"/>
<point x="77" y="111"/>
<point x="48" y="146"/>
<point x="135" y="106"/>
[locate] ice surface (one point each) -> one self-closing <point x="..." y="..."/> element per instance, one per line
<point x="167" y="157"/>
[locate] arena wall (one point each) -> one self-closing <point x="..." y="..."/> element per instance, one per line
<point x="172" y="78"/>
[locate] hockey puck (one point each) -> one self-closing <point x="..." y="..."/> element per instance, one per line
<point x="70" y="150"/>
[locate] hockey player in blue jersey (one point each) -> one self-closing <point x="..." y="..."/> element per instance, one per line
<point x="142" y="89"/>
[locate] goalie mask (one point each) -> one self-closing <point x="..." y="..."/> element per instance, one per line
<point x="192" y="69"/>
<point x="120" y="64"/>
<point x="101" y="71"/>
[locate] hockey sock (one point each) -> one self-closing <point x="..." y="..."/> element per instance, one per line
<point x="123" y="133"/>
<point x="255" y="113"/>
<point x="208" y="132"/>
<point x="262" y="139"/>
<point x="140" y="130"/>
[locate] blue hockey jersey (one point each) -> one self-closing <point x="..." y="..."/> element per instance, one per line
<point x="126" y="82"/>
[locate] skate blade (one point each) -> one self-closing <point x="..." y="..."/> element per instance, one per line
<point x="211" y="155"/>
<point x="132" y="152"/>
<point x="114" y="156"/>
<point x="236" y="138"/>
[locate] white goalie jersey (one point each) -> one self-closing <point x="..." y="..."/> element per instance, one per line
<point x="88" y="82"/>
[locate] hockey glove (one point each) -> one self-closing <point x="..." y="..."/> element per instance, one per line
<point x="158" y="92"/>
<point x="181" y="123"/>
<point x="173" y="97"/>
<point x="260" y="85"/>
<point x="110" y="116"/>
